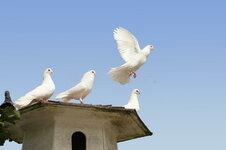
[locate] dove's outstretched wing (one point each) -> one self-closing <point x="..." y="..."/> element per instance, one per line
<point x="127" y="43"/>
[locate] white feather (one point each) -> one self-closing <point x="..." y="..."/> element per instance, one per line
<point x="130" y="51"/>
<point x="127" y="43"/>
<point x="42" y="92"/>
<point x="81" y="90"/>
<point x="133" y="101"/>
<point x="120" y="74"/>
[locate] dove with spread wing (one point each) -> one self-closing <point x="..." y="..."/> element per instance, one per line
<point x="42" y="92"/>
<point x="131" y="53"/>
<point x="81" y="90"/>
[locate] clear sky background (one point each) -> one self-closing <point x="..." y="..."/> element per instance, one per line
<point x="183" y="83"/>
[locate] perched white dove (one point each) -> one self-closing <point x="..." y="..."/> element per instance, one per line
<point x="133" y="101"/>
<point x="42" y="92"/>
<point x="81" y="90"/>
<point x="132" y="55"/>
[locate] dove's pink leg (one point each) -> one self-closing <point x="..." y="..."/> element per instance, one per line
<point x="134" y="75"/>
<point x="81" y="101"/>
<point x="45" y="101"/>
<point x="130" y="73"/>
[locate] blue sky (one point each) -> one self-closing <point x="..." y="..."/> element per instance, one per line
<point x="183" y="82"/>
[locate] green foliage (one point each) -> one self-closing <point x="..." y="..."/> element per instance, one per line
<point x="10" y="115"/>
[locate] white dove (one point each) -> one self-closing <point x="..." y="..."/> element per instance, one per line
<point x="133" y="101"/>
<point x="81" y="90"/>
<point x="42" y="92"/>
<point x="130" y="51"/>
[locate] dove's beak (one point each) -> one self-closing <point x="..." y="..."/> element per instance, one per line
<point x="94" y="74"/>
<point x="138" y="92"/>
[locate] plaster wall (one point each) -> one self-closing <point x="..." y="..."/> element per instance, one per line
<point x="38" y="132"/>
<point x="48" y="129"/>
<point x="98" y="136"/>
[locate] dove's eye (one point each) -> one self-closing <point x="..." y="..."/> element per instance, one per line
<point x="92" y="71"/>
<point x="48" y="69"/>
<point x="136" y="90"/>
<point x="150" y="45"/>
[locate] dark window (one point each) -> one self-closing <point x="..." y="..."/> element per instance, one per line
<point x="78" y="141"/>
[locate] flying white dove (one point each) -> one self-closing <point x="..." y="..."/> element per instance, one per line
<point x="42" y="92"/>
<point x="81" y="90"/>
<point x="133" y="101"/>
<point x="132" y="55"/>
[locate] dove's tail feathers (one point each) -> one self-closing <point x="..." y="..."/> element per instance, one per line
<point x="120" y="74"/>
<point x="66" y="99"/>
<point x="63" y="96"/>
<point x="23" y="101"/>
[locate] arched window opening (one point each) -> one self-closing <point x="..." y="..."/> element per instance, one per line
<point x="78" y="141"/>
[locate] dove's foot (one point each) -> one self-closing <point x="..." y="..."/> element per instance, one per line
<point x="81" y="101"/>
<point x="45" y="101"/>
<point x="134" y="75"/>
